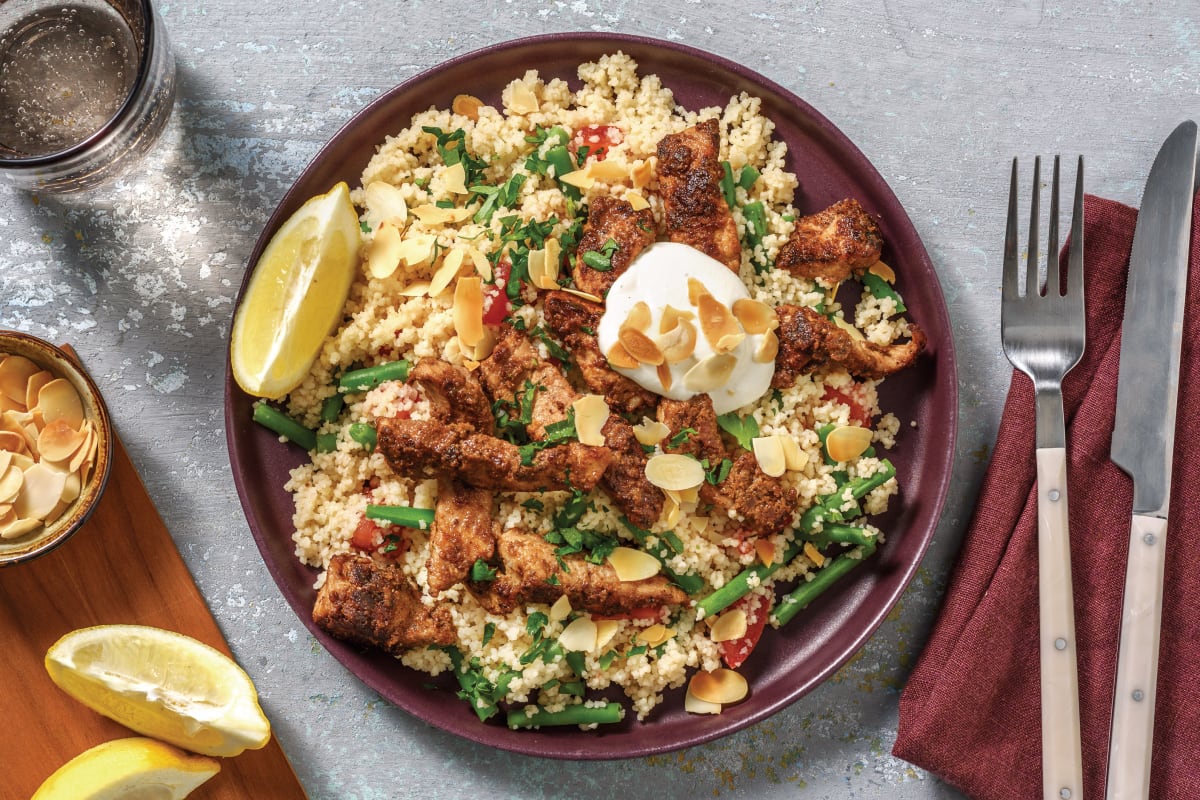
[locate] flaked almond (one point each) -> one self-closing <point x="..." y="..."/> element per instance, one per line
<point x="454" y="179"/>
<point x="638" y="317"/>
<point x="633" y="565"/>
<point x="385" y="203"/>
<point x="72" y="487"/>
<point x="672" y="317"/>
<point x="754" y="315"/>
<point x="579" y="636"/>
<point x="606" y="629"/>
<point x="696" y="290"/>
<point x="690" y="495"/>
<point x="11" y="482"/>
<point x="656" y="634"/>
<point x="542" y="274"/>
<point x="481" y="349"/>
<point x="729" y="342"/>
<point x="765" y="550"/>
<point x="618" y="356"/>
<point x="521" y="99"/>
<point x="467" y="105"/>
<point x="665" y="378"/>
<point x="430" y="214"/>
<point x="716" y="320"/>
<point x="482" y="266"/>
<point x="591" y="298"/>
<point x="591" y="412"/>
<point x="636" y="201"/>
<point x="641" y="173"/>
<point x="6" y="459"/>
<point x="794" y="458"/>
<point x="678" y="343"/>
<point x="640" y="346"/>
<point x="578" y="178"/>
<point x="674" y="471"/>
<point x="847" y="442"/>
<point x="814" y="555"/>
<point x="884" y="271"/>
<point x="650" y="432"/>
<point x="729" y="626"/>
<point x="722" y="686"/>
<point x="561" y="609"/>
<point x="672" y="512"/>
<point x="59" y="400"/>
<point x="447" y="271"/>
<point x="15" y="372"/>
<point x="694" y="705"/>
<point x="710" y="374"/>
<point x="43" y="487"/>
<point x="11" y="441"/>
<point x="608" y="170"/>
<point x="383" y="255"/>
<point x="767" y="349"/>
<point x="58" y="441"/>
<point x="35" y="384"/>
<point x="417" y="250"/>
<point x="19" y="527"/>
<point x="768" y="451"/>
<point x="468" y="310"/>
<point x="416" y="289"/>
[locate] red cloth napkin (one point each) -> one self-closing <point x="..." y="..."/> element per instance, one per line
<point x="971" y="710"/>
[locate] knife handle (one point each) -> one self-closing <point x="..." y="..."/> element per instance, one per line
<point x="1137" y="662"/>
<point x="1062" y="760"/>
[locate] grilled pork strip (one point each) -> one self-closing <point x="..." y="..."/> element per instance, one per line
<point x="631" y="231"/>
<point x="832" y="244"/>
<point x="513" y="365"/>
<point x="808" y="340"/>
<point x="689" y="179"/>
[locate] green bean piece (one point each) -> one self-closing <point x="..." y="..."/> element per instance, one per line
<point x="364" y="434"/>
<point x="559" y="157"/>
<point x="828" y="509"/>
<point x="270" y="417"/>
<point x="326" y="442"/>
<point x="360" y="380"/>
<point x="747" y="177"/>
<point x="799" y="599"/>
<point x="571" y="715"/>
<point x="739" y="585"/>
<point x="727" y="184"/>
<point x="407" y="516"/>
<point x="331" y="409"/>
<point x="881" y="289"/>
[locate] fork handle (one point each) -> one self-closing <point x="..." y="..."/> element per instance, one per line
<point x="1137" y="661"/>
<point x="1062" y="761"/>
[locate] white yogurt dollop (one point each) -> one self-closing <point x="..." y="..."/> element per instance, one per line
<point x="659" y="277"/>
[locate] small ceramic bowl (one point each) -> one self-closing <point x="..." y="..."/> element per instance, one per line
<point x="22" y="547"/>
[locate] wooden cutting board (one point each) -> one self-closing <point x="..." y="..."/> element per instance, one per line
<point x="121" y="567"/>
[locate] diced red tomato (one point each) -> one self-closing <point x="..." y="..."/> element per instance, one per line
<point x="642" y="612"/>
<point x="757" y="607"/>
<point x="597" y="139"/>
<point x="495" y="301"/>
<point x="367" y="536"/>
<point x="858" y="413"/>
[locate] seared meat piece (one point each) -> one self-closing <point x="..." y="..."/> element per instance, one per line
<point x="809" y="340"/>
<point x="610" y="218"/>
<point x="414" y="447"/>
<point x="463" y="531"/>
<point x="625" y="479"/>
<point x="454" y="393"/>
<point x="528" y="562"/>
<point x="832" y="243"/>
<point x="764" y="503"/>
<point x="689" y="178"/>
<point x="512" y="366"/>
<point x="375" y="604"/>
<point x="575" y="321"/>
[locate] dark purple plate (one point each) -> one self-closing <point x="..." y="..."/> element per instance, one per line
<point x="787" y="663"/>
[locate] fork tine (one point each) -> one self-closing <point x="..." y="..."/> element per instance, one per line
<point x="1054" y="286"/>
<point x="1009" y="284"/>
<point x="1032" y="286"/>
<point x="1075" y="265"/>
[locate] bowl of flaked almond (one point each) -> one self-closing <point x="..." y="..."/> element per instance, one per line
<point x="55" y="447"/>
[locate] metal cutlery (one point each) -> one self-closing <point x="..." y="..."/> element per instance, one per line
<point x="1043" y="332"/>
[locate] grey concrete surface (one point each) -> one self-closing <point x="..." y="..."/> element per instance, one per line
<point x="141" y="277"/>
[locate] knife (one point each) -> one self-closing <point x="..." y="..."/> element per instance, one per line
<point x="1142" y="444"/>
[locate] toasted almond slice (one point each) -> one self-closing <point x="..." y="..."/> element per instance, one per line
<point x="383" y="254"/>
<point x="674" y="471"/>
<point x="640" y="346"/>
<point x="636" y="200"/>
<point x="663" y="373"/>
<point x="847" y="442"/>
<point x="678" y="343"/>
<point x="755" y="315"/>
<point x="42" y="490"/>
<point x="579" y="635"/>
<point x="671" y="317"/>
<point x="72" y="486"/>
<point x="854" y="332"/>
<point x="454" y="179"/>
<point x="482" y="265"/>
<point x="710" y="374"/>
<point x="767" y="349"/>
<point x="591" y="412"/>
<point x="59" y="400"/>
<point x="15" y="372"/>
<point x="447" y="271"/>
<point x="417" y="250"/>
<point x="467" y="105"/>
<point x="694" y="705"/>
<point x="672" y="512"/>
<point x="561" y="609"/>
<point x="729" y="626"/>
<point x="884" y="271"/>
<point x="56" y="512"/>
<point x="416" y="289"/>
<point x="521" y="99"/>
<point x="768" y="451"/>
<point x="633" y="565"/>
<point x="585" y="295"/>
<point x="641" y="173"/>
<point x="12" y="442"/>
<point x="716" y="320"/>
<point x="539" y="270"/>
<point x="606" y="629"/>
<point x="468" y="310"/>
<point x="483" y="348"/>
<point x="814" y="555"/>
<point x="19" y="527"/>
<point x="638" y="318"/>
<point x="579" y="179"/>
<point x="608" y="170"/>
<point x="765" y="550"/>
<point x="6" y="459"/>
<point x="794" y="458"/>
<point x="385" y="203"/>
<point x="430" y="214"/>
<point x="553" y="250"/>
<point x="719" y="686"/>
<point x="58" y="441"/>
<point x="729" y="342"/>
<point x="618" y="356"/>
<point x="696" y="290"/>
<point x="656" y="634"/>
<point x="11" y="481"/>
<point x="8" y="404"/>
<point x="22" y="461"/>
<point x="689" y="495"/>
<point x="7" y="515"/>
<point x="650" y="432"/>
<point x="35" y="384"/>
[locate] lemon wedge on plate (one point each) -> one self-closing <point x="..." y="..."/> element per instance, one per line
<point x="129" y="768"/>
<point x="161" y="684"/>
<point x="295" y="295"/>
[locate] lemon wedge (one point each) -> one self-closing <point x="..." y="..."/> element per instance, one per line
<point x="129" y="768"/>
<point x="295" y="295"/>
<point x="161" y="684"/>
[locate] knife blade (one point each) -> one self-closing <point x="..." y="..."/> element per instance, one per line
<point x="1143" y="442"/>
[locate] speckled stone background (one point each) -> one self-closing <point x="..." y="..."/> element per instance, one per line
<point x="141" y="277"/>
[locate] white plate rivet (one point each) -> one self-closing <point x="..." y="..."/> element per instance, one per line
<point x="1064" y="793"/>
<point x="1060" y="643"/>
<point x="1148" y="539"/>
<point x="1053" y="494"/>
<point x="1138" y="695"/>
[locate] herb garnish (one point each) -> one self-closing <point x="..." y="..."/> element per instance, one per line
<point x="744" y="429"/>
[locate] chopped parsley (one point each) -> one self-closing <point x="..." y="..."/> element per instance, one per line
<point x="744" y="429"/>
<point x="601" y="260"/>
<point x="481" y="572"/>
<point x="597" y="546"/>
<point x="475" y="687"/>
<point x="512" y="416"/>
<point x="489" y="630"/>
<point x="556" y="433"/>
<point x="717" y="474"/>
<point x="452" y="147"/>
<point x="678" y="439"/>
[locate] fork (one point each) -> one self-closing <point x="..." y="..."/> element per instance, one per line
<point x="1042" y="332"/>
